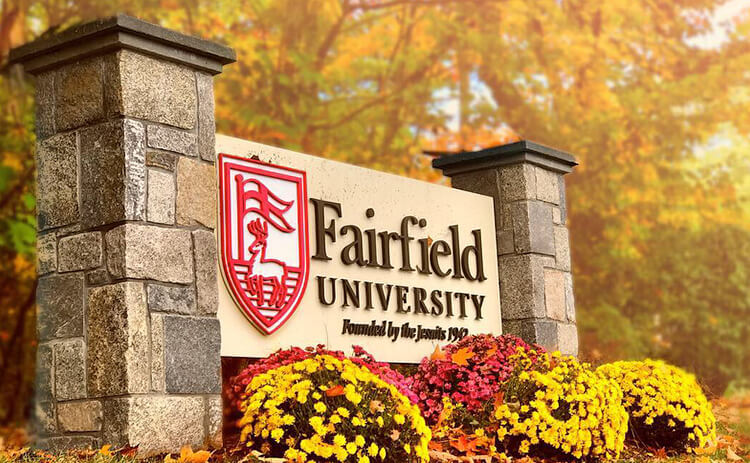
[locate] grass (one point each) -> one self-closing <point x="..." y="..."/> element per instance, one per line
<point x="733" y="446"/>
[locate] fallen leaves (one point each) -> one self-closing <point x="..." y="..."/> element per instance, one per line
<point x="13" y="454"/>
<point x="13" y="439"/>
<point x="128" y="451"/>
<point x="376" y="406"/>
<point x="456" y="441"/>
<point x="188" y="456"/>
<point x="710" y="450"/>
<point x="660" y="453"/>
<point x="445" y="457"/>
<point x="437" y="354"/>
<point x="335" y="391"/>
<point x="499" y="399"/>
<point x="467" y="445"/>
<point x="461" y="356"/>
<point x="106" y="452"/>
<point x="732" y="456"/>
<point x="435" y="445"/>
<point x="83" y="454"/>
<point x="438" y="456"/>
<point x="441" y="418"/>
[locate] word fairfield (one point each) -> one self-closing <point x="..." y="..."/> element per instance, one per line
<point x="372" y="248"/>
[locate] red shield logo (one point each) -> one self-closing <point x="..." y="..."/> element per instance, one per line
<point x="264" y="251"/>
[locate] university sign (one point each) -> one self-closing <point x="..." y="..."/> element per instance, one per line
<point x="162" y="246"/>
<point x="315" y="251"/>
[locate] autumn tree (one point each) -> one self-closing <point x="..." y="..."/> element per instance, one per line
<point x="625" y="87"/>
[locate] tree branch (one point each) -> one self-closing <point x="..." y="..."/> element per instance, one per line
<point x="380" y="99"/>
<point x="325" y="46"/>
<point x="28" y="303"/>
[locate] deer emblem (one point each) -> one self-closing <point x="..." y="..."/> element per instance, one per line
<point x="264" y="270"/>
<point x="265" y="259"/>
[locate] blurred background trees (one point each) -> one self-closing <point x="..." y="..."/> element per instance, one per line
<point x="651" y="97"/>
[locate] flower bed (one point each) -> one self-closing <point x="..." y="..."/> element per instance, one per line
<point x="483" y="396"/>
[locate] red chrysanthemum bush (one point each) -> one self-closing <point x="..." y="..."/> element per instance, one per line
<point x="469" y="373"/>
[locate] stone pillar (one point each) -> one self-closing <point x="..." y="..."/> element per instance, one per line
<point x="525" y="180"/>
<point x="126" y="191"/>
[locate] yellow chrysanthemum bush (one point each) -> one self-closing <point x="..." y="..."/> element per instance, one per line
<point x="324" y="409"/>
<point x="558" y="407"/>
<point x="666" y="405"/>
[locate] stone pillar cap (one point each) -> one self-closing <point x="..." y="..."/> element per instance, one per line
<point x="121" y="32"/>
<point x="503" y="155"/>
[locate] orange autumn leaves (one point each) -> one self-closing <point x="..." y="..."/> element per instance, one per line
<point x="460" y="357"/>
<point x="335" y="391"/>
<point x="187" y="455"/>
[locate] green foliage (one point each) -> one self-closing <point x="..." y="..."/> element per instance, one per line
<point x="17" y="245"/>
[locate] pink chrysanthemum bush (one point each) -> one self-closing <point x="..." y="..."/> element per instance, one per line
<point x="469" y="373"/>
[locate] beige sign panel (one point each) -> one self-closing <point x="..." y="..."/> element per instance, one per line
<point x="314" y="251"/>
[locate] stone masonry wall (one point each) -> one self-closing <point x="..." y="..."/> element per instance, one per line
<point x="128" y="335"/>
<point x="536" y="284"/>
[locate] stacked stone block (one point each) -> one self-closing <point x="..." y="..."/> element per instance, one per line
<point x="526" y="182"/>
<point x="128" y="335"/>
